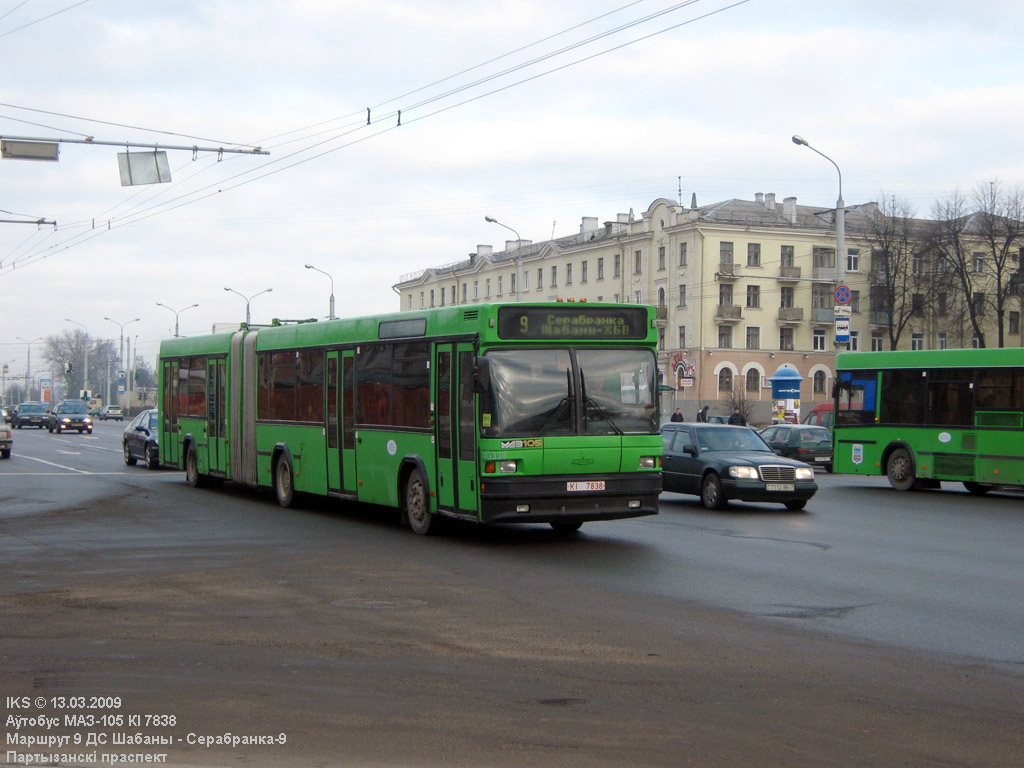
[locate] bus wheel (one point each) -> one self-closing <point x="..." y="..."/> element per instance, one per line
<point x="711" y="492"/>
<point x="978" y="489"/>
<point x="192" y="467"/>
<point x="283" y="486"/>
<point x="900" y="470"/>
<point x="416" y="507"/>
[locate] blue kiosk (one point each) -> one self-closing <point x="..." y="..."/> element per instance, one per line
<point x="786" y="394"/>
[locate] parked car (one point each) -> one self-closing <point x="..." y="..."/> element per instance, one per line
<point x="6" y="416"/>
<point x="801" y="441"/>
<point x="141" y="439"/>
<point x="112" y="412"/>
<point x="6" y="441"/>
<point x="30" y="415"/>
<point x="69" y="414"/>
<point x="719" y="462"/>
<point x="821" y="415"/>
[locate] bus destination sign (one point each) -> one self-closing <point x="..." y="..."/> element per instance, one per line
<point x="568" y="322"/>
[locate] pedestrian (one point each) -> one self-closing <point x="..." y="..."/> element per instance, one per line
<point x="738" y="418"/>
<point x="702" y="415"/>
<point x="678" y="415"/>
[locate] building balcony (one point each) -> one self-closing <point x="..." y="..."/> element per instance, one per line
<point x="728" y="314"/>
<point x="661" y="316"/>
<point x="880" y="318"/>
<point x="726" y="272"/>
<point x="790" y="315"/>
<point x="788" y="274"/>
<point x="823" y="315"/>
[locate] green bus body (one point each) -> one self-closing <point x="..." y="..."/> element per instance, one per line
<point x="925" y="416"/>
<point x="496" y="413"/>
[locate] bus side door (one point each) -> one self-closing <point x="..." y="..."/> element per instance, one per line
<point x="348" y="421"/>
<point x="216" y="421"/>
<point x="341" y="439"/>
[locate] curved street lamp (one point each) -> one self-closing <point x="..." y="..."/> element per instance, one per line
<point x="248" y="320"/>
<point x="28" y="363"/>
<point x="310" y="266"/>
<point x="518" y="259"/>
<point x="800" y="141"/>
<point x="176" y="313"/>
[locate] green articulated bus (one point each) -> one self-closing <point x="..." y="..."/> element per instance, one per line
<point x="921" y="417"/>
<point x="494" y="413"/>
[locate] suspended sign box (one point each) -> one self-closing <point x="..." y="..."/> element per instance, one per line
<point x="143" y="168"/>
<point x="30" y="150"/>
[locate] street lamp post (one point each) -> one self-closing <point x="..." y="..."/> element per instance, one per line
<point x="28" y="364"/>
<point x="840" y="213"/>
<point x="518" y="258"/>
<point x="248" y="299"/>
<point x="120" y="349"/>
<point x="176" y="313"/>
<point x="310" y="266"/>
<point x="88" y="343"/>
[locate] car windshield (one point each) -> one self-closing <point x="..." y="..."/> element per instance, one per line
<point x="76" y="406"/>
<point x="730" y="439"/>
<point x="32" y="408"/>
<point x="562" y="391"/>
<point x="814" y="436"/>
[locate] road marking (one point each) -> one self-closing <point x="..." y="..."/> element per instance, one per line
<point x="69" y="453"/>
<point x="60" y="466"/>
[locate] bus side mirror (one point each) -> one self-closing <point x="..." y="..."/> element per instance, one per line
<point x="482" y="375"/>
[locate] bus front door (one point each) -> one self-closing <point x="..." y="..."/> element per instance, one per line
<point x="464" y="428"/>
<point x="445" y="481"/>
<point x="170" y="452"/>
<point x="455" y="424"/>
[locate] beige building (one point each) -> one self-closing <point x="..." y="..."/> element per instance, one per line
<point x="742" y="288"/>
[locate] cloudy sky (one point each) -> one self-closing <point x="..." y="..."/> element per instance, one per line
<point x="535" y="113"/>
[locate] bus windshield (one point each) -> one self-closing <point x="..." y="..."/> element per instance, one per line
<point x="564" y="391"/>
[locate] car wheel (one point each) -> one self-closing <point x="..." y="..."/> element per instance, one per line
<point x="153" y="457"/>
<point x="711" y="492"/>
<point x="900" y="470"/>
<point x="6" y="453"/>
<point x="796" y="504"/>
<point x="283" y="483"/>
<point x="130" y="460"/>
<point x="417" y="507"/>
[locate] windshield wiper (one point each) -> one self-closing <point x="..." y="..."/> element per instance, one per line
<point x="563" y="404"/>
<point x="588" y="400"/>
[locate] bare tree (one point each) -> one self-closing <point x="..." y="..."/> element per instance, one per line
<point x="950" y="239"/>
<point x="899" y="283"/>
<point x="69" y="352"/>
<point x="998" y="227"/>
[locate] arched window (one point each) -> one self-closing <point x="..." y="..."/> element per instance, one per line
<point x="725" y="381"/>
<point x="661" y="297"/>
<point x="753" y="380"/>
<point x="819" y="381"/>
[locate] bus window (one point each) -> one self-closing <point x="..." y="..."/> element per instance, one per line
<point x="903" y="396"/>
<point x="857" y="397"/>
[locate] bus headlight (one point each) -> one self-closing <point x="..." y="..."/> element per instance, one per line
<point x="506" y="466"/>
<point x="746" y="473"/>
<point x="805" y="473"/>
<point x="648" y="462"/>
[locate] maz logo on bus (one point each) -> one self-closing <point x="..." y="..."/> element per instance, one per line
<point x="535" y="443"/>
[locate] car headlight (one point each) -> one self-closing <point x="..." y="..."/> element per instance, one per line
<point x="87" y="420"/>
<point x="804" y="473"/>
<point x="66" y="420"/>
<point x="746" y="473"/>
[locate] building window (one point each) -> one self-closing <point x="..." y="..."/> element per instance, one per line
<point x="661" y="258"/>
<point x="786" y="339"/>
<point x="501" y="285"/>
<point x="725" y="253"/>
<point x="554" y="277"/>
<point x="661" y="297"/>
<point x="940" y="304"/>
<point x="978" y="260"/>
<point x="540" y="279"/>
<point x="661" y="338"/>
<point x="682" y="337"/>
<point x="917" y="341"/>
<point x="823" y="258"/>
<point x="511" y="284"/>
<point x="682" y="254"/>
<point x="725" y="295"/>
<point x="465" y="289"/>
<point x="853" y="259"/>
<point x="753" y="337"/>
<point x="877" y="344"/>
<point x="917" y="304"/>
<point x="1014" y="322"/>
<point x="442" y="296"/>
<point x="487" y="288"/>
<point x="855" y="301"/>
<point x="725" y="380"/>
<point x="943" y="341"/>
<point x="682" y="295"/>
<point x="636" y="262"/>
<point x="753" y="296"/>
<point x="431" y="297"/>
<point x="979" y="303"/>
<point x="854" y="341"/>
<point x="819" y="343"/>
<point x="753" y="254"/>
<point x="618" y="265"/>
<point x="786" y="297"/>
<point x="410" y="301"/>
<point x="786" y="258"/>
<point x="917" y="265"/>
<point x="583" y="272"/>
<point x="753" y="380"/>
<point x="822" y="296"/>
<point x="568" y="274"/>
<point x="637" y="297"/>
<point x="725" y="336"/>
<point x="600" y="268"/>
<point x="819" y="382"/>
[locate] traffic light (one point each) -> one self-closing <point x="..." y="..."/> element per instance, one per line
<point x="69" y="367"/>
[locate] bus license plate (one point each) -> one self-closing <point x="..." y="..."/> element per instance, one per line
<point x="585" y="485"/>
<point x="779" y="487"/>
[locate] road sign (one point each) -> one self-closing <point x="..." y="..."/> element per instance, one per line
<point x="843" y="310"/>
<point x="842" y="294"/>
<point x="842" y="330"/>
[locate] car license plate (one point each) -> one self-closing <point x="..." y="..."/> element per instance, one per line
<point x="584" y="485"/>
<point x="821" y="458"/>
<point x="779" y="487"/>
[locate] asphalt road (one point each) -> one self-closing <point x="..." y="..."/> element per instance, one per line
<point x="873" y="629"/>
